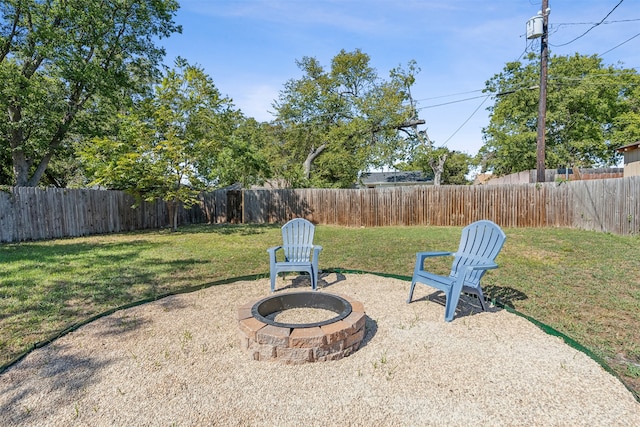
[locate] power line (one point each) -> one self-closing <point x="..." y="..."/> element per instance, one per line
<point x="591" y="28"/>
<point x="559" y="24"/>
<point x="486" y="97"/>
<point x="465" y="122"/>
<point x="453" y="102"/>
<point x="447" y="96"/>
<point x="617" y="46"/>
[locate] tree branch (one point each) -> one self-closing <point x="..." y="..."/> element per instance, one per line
<point x="313" y="154"/>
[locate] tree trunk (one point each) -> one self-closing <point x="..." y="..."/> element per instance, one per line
<point x="438" y="168"/>
<point x="175" y="217"/>
<point x="313" y="154"/>
<point x="172" y="207"/>
<point x="21" y="164"/>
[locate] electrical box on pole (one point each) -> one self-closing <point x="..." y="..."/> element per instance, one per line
<point x="535" y="27"/>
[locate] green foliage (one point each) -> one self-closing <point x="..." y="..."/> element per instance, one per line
<point x="456" y="169"/>
<point x="331" y="124"/>
<point x="585" y="99"/>
<point x="242" y="160"/>
<point x="167" y="146"/>
<point x="626" y="125"/>
<point x="60" y="58"/>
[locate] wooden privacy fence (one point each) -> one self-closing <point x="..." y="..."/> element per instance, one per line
<point x="608" y="205"/>
<point x="28" y="213"/>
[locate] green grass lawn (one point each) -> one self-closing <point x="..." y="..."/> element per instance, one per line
<point x="584" y="284"/>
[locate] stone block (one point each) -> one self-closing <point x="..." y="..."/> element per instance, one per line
<point x="264" y="352"/>
<point x="356" y="321"/>
<point x="273" y="335"/>
<point x="244" y="313"/>
<point x="334" y="356"/>
<point x="250" y="326"/>
<point x="293" y="356"/>
<point x="355" y="305"/>
<point x="354" y="339"/>
<point x="336" y="331"/>
<point x="307" y="338"/>
<point x="329" y="349"/>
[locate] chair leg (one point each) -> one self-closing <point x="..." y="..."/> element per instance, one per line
<point x="453" y="297"/>
<point x="273" y="280"/>
<point x="481" y="298"/>
<point x="413" y="285"/>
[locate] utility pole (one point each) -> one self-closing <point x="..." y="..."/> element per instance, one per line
<point x="542" y="103"/>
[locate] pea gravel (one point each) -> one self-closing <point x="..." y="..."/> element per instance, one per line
<point x="177" y="361"/>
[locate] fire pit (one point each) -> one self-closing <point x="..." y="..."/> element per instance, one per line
<point x="265" y="338"/>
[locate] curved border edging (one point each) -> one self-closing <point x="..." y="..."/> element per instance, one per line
<point x="544" y="327"/>
<point x="95" y="317"/>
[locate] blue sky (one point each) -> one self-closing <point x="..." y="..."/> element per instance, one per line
<point x="250" y="47"/>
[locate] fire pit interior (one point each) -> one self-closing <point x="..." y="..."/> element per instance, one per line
<point x="265" y="338"/>
<point x="297" y="300"/>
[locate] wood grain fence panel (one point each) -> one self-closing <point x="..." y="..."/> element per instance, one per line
<point x="354" y="208"/>
<point x="431" y="203"/>
<point x="8" y="225"/>
<point x="610" y="205"/>
<point x="372" y="204"/>
<point x="631" y="209"/>
<point x="410" y="214"/>
<point x="392" y="198"/>
<point x="18" y="206"/>
<point x="418" y="208"/>
<point x="24" y="215"/>
<point x="449" y="198"/>
<point x="54" y="204"/>
<point x="36" y="214"/>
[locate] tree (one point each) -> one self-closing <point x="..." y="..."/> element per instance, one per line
<point x="243" y="159"/>
<point x="626" y="126"/>
<point x="58" y="57"/>
<point x="447" y="167"/>
<point x="457" y="169"/>
<point x="585" y="98"/>
<point x="168" y="146"/>
<point x="333" y="124"/>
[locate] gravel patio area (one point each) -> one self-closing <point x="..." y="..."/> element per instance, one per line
<point x="178" y="361"/>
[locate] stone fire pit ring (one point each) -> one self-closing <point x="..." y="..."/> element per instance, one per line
<point x="295" y="343"/>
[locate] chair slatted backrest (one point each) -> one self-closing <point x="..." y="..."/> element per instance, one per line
<point x="297" y="239"/>
<point x="480" y="241"/>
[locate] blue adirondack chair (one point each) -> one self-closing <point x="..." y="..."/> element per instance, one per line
<point x="299" y="252"/>
<point x="480" y="244"/>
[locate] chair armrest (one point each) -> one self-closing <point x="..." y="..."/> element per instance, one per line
<point x="272" y="250"/>
<point x="421" y="256"/>
<point x="489" y="265"/>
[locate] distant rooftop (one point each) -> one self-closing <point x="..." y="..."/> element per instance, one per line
<point x="390" y="179"/>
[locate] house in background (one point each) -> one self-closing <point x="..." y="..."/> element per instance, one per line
<point x="631" y="155"/>
<point x="551" y="175"/>
<point x="393" y="179"/>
